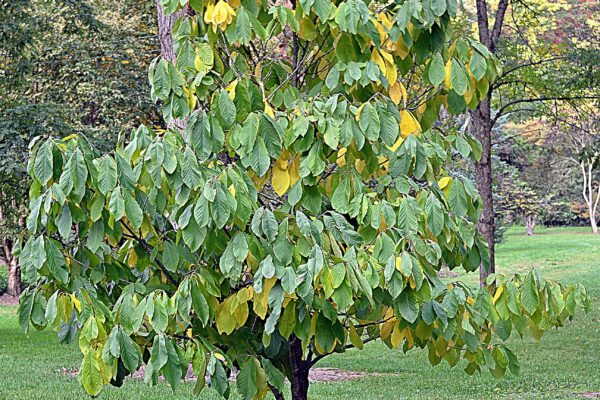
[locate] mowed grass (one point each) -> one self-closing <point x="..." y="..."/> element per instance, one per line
<point x="565" y="364"/>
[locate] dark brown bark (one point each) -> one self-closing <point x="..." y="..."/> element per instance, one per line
<point x="300" y="369"/>
<point x="483" y="171"/>
<point x="483" y="123"/>
<point x="276" y="393"/>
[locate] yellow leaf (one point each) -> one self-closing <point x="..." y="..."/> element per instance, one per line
<point x="387" y="327"/>
<point x="232" y="190"/>
<point x="76" y="302"/>
<point x="219" y="356"/>
<point x="269" y="110"/>
<point x="231" y="89"/>
<point x="209" y="13"/>
<point x="188" y="332"/>
<point x="401" y="49"/>
<point x="397" y="336"/>
<point x="395" y="93"/>
<point x="355" y="338"/>
<point x="221" y="13"/>
<point x="422" y="108"/>
<point x="392" y="73"/>
<point x="376" y="58"/>
<point x="448" y="80"/>
<point x="399" y="263"/>
<point x="294" y="171"/>
<point x="225" y="321"/>
<point x="261" y="300"/>
<point x="280" y="180"/>
<point x="395" y="146"/>
<point x="443" y="182"/>
<point x="498" y="293"/>
<point x="360" y="165"/>
<point x="404" y="93"/>
<point x="408" y="124"/>
<point x="341" y="157"/>
<point x="387" y="56"/>
<point x="359" y="111"/>
<point x="132" y="259"/>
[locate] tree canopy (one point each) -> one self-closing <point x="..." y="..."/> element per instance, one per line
<point x="304" y="209"/>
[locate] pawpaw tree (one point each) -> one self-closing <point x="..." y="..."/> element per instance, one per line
<point x="300" y="206"/>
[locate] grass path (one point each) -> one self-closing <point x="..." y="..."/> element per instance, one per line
<point x="564" y="364"/>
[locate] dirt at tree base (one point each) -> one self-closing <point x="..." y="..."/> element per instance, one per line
<point x="8" y="300"/>
<point x="315" y="375"/>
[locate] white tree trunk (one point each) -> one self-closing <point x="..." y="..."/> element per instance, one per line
<point x="587" y="169"/>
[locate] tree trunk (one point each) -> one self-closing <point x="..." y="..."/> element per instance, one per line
<point x="594" y="224"/>
<point x="530" y="224"/>
<point x="482" y="124"/>
<point x="300" y="369"/>
<point x="167" y="51"/>
<point x="13" y="269"/>
<point x="14" y="286"/>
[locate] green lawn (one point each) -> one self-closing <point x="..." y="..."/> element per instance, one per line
<point x="564" y="364"/>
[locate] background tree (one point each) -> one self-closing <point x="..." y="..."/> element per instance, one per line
<point x="304" y="210"/>
<point x="519" y="201"/>
<point x="535" y="42"/>
<point x="67" y="67"/>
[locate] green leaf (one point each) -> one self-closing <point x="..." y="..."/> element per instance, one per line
<point x="246" y="380"/>
<point x="407" y="305"/>
<point x="369" y="122"/>
<point x="130" y="351"/>
<point x="220" y="208"/>
<point x="269" y="225"/>
<point x="172" y="369"/>
<point x="458" y="77"/>
<point x="170" y="256"/>
<point x="243" y="27"/>
<point x="225" y="109"/>
<point x="435" y="215"/>
<point x="341" y="197"/>
<point x="56" y="261"/>
<point x="529" y="294"/>
<point x="43" y="164"/>
<point x="116" y="204"/>
<point x="90" y="374"/>
<point x="274" y="376"/>
<point x="458" y="199"/>
<point x="133" y="211"/>
<point x="477" y="65"/>
<point x="259" y="158"/>
<point x="64" y="222"/>
<point x="107" y="175"/>
<point x="200" y="304"/>
<point x="437" y="70"/>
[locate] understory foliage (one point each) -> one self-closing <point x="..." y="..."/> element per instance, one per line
<point x="304" y="210"/>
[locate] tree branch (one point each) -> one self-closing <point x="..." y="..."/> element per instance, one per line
<point x="143" y="243"/>
<point x="541" y="99"/>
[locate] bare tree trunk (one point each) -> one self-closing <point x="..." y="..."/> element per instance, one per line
<point x="482" y="124"/>
<point x="594" y="225"/>
<point x="14" y="286"/>
<point x="300" y="369"/>
<point x="167" y="51"/>
<point x="530" y="224"/>
<point x="588" y="192"/>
